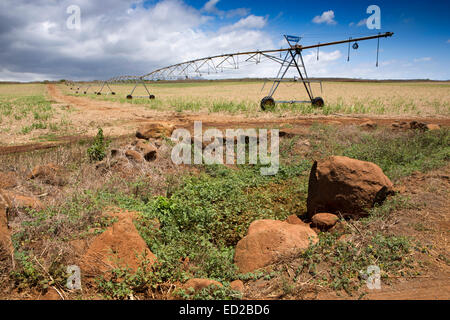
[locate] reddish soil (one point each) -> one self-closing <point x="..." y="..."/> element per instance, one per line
<point x="124" y="116"/>
<point x="429" y="224"/>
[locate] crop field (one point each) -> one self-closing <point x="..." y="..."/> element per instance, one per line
<point x="410" y="98"/>
<point x="27" y="112"/>
<point x="89" y="180"/>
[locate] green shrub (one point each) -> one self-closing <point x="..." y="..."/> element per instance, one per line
<point x="97" y="151"/>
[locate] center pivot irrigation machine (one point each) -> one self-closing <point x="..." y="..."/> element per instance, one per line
<point x="215" y="64"/>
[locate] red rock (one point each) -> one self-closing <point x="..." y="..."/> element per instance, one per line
<point x="324" y="221"/>
<point x="21" y="201"/>
<point x="6" y="247"/>
<point x="120" y="246"/>
<point x="134" y="156"/>
<point x="155" y="131"/>
<point x="368" y="125"/>
<point x="148" y="151"/>
<point x="8" y="180"/>
<point x="347" y="186"/>
<point x="400" y="125"/>
<point x="50" y="174"/>
<point x="432" y="127"/>
<point x="294" y="219"/>
<point x="269" y="240"/>
<point x="237" y="285"/>
<point x="198" y="284"/>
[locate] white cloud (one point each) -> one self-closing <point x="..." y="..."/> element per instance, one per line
<point x="114" y="40"/>
<point x="7" y="75"/>
<point x="326" y="17"/>
<point x="211" y="8"/>
<point x="126" y="39"/>
<point x="424" y="59"/>
<point x="323" y="66"/>
<point x="250" y="22"/>
<point x="361" y="23"/>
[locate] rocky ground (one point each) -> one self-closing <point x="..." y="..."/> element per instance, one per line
<point x="349" y="215"/>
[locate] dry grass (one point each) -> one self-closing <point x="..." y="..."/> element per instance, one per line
<point x="409" y="99"/>
<point x="36" y="113"/>
<point x="27" y="114"/>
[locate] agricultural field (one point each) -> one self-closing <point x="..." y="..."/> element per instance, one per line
<point x="401" y="98"/>
<point x="81" y="174"/>
<point x="27" y="113"/>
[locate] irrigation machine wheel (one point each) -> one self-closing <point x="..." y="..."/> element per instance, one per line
<point x="129" y="97"/>
<point x="267" y="104"/>
<point x="317" y="102"/>
<point x="113" y="93"/>
<point x="151" y="97"/>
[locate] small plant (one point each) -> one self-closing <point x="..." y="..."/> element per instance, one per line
<point x="97" y="151"/>
<point x="210" y="293"/>
<point x="339" y="263"/>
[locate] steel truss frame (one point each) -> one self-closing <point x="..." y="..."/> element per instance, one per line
<point x="216" y="64"/>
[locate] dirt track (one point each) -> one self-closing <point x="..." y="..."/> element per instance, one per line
<point x="122" y="119"/>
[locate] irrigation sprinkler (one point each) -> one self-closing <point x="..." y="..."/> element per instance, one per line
<point x="142" y="82"/>
<point x="293" y="59"/>
<point x="105" y="83"/>
<point x="86" y="86"/>
<point x="131" y="79"/>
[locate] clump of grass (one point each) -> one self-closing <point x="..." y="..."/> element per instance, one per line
<point x="34" y="126"/>
<point x="398" y="157"/>
<point x="339" y="264"/>
<point x="204" y="218"/>
<point x="398" y="154"/>
<point x="29" y="273"/>
<point x="228" y="106"/>
<point x="97" y="151"/>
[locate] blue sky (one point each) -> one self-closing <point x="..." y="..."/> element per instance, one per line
<point x="134" y="37"/>
<point x="422" y="29"/>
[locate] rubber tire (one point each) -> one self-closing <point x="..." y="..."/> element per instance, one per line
<point x="113" y="93"/>
<point x="151" y="97"/>
<point x="317" y="102"/>
<point x="129" y="97"/>
<point x="267" y="104"/>
<point x="99" y="93"/>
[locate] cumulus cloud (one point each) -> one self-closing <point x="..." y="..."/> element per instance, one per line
<point x="424" y="59"/>
<point x="321" y="67"/>
<point x="123" y="37"/>
<point x="211" y="7"/>
<point x="250" y="22"/>
<point x="326" y="17"/>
